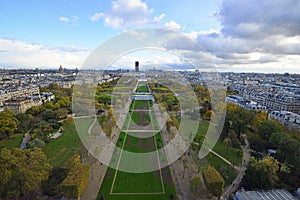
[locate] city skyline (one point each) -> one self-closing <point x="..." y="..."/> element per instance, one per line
<point x="49" y="34"/>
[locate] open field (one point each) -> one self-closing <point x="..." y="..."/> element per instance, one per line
<point x="231" y="154"/>
<point x="142" y="88"/>
<point x="151" y="185"/>
<point x="227" y="172"/>
<point x="61" y="149"/>
<point x="139" y="104"/>
<point x="13" y="141"/>
<point x="140" y="118"/>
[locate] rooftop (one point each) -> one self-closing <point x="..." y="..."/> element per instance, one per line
<point x="281" y="194"/>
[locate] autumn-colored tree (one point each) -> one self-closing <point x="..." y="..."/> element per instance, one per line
<point x="260" y="117"/>
<point x="22" y="171"/>
<point x="8" y="122"/>
<point x="214" y="181"/>
<point x="261" y="174"/>
<point x="78" y="174"/>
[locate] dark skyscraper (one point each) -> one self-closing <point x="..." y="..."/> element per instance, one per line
<point x="137" y="68"/>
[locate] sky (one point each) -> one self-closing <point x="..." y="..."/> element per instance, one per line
<point x="239" y="35"/>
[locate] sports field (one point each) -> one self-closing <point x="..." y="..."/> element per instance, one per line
<point x="155" y="185"/>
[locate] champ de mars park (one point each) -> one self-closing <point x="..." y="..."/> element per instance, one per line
<point x="139" y="136"/>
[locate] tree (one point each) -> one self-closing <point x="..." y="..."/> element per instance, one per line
<point x="48" y="114"/>
<point x="22" y="171"/>
<point x="61" y="113"/>
<point x="78" y="175"/>
<point x="260" y="117"/>
<point x="214" y="182"/>
<point x="36" y="143"/>
<point x="8" y="122"/>
<point x="233" y="139"/>
<point x="239" y="119"/>
<point x="287" y="149"/>
<point x="208" y="115"/>
<point x="34" y="110"/>
<point x="268" y="127"/>
<point x="261" y="174"/>
<point x="197" y="186"/>
<point x="24" y="120"/>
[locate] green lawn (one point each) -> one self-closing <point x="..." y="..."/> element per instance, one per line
<point x="203" y="127"/>
<point x="135" y="117"/>
<point x="137" y="104"/>
<point x="116" y="182"/>
<point x="108" y="180"/>
<point x="227" y="172"/>
<point x="140" y="104"/>
<point x="137" y="183"/>
<point x="142" y="88"/>
<point x="231" y="154"/>
<point x="61" y="149"/>
<point x="149" y="182"/>
<point x="13" y="141"/>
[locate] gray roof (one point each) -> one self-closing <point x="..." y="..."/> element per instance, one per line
<point x="281" y="194"/>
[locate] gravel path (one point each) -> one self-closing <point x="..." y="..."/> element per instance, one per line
<point x="98" y="171"/>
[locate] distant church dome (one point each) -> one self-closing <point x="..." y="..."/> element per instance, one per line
<point x="61" y="70"/>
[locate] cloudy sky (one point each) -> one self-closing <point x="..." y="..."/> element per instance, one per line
<point x="247" y="35"/>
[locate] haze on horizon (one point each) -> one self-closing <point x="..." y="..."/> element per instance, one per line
<point x="241" y="36"/>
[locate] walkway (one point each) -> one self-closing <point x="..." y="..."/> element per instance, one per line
<point x="224" y="159"/>
<point x="26" y="139"/>
<point x="98" y="169"/>
<point x="237" y="181"/>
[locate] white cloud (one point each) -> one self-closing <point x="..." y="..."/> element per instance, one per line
<point x="64" y="19"/>
<point x="157" y="19"/>
<point x="18" y="53"/>
<point x="173" y="26"/>
<point x="261" y="36"/>
<point x="127" y="13"/>
<point x="114" y="22"/>
<point x="72" y="20"/>
<point x="96" y="17"/>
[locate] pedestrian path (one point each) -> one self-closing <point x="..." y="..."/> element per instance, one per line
<point x="224" y="159"/>
<point x="238" y="179"/>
